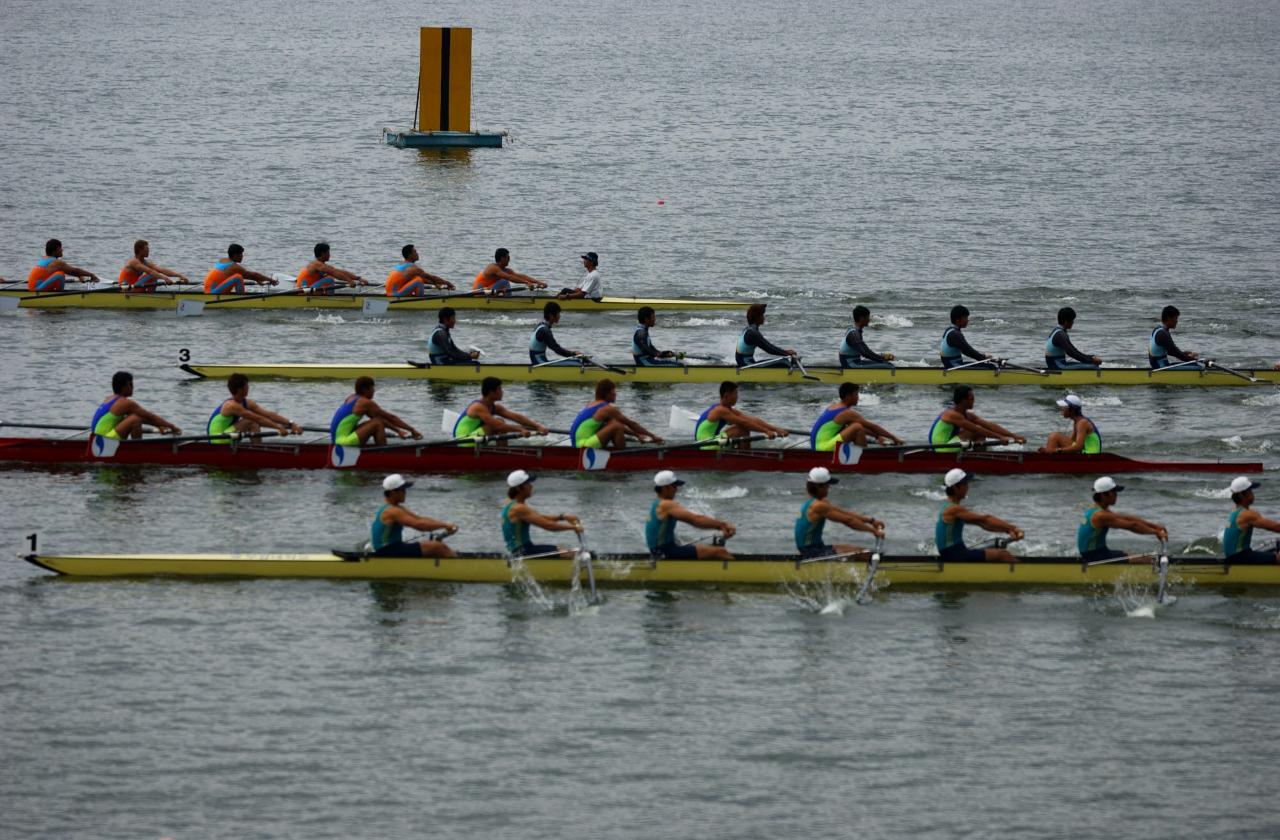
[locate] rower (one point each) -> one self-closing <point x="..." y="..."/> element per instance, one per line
<point x="496" y="279"/>
<point x="517" y="516"/>
<point x="954" y="346"/>
<point x="854" y="352"/>
<point x="228" y="276"/>
<point x="321" y="278"/>
<point x="840" y="423"/>
<point x="481" y="418"/>
<point x="543" y="339"/>
<point x="665" y="512"/>
<point x="243" y="415"/>
<point x="1238" y="535"/>
<point x="386" y="533"/>
<point x="1161" y="344"/>
<point x="723" y="420"/>
<point x="50" y="273"/>
<point x="814" y="514"/>
<point x="120" y="418"/>
<point x="602" y="424"/>
<point x="407" y="279"/>
<point x="1091" y="535"/>
<point x="1058" y="346"/>
<point x="359" y="418"/>
<point x="948" y="531"/>
<point x="752" y="339"/>
<point x="440" y="346"/>
<point x="642" y="349"/>
<point x="1084" y="436"/>
<point x="590" y="287"/>
<point x="140" y="275"/>
<point x="957" y="423"/>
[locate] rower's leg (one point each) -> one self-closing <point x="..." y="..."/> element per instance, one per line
<point x="246" y="426"/>
<point x="375" y="429"/>
<point x="129" y="427"/>
<point x="613" y="435"/>
<point x="854" y="433"/>
<point x="1000" y="555"/>
<point x="436" y="548"/>
<point x="849" y="549"/>
<point x="739" y="434"/>
<point x="1057" y="441"/>
<point x="713" y="552"/>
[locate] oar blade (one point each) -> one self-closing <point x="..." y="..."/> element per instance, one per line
<point x="9" y="304"/>
<point x="448" y="420"/>
<point x="682" y="420"/>
<point x="373" y="307"/>
<point x="189" y="307"/>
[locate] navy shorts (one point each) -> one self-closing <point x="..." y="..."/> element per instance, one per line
<point x="399" y="549"/>
<point x="1101" y="554"/>
<point x="674" y="551"/>
<point x="963" y="554"/>
<point x="809" y="552"/>
<point x="530" y="550"/>
<point x="1252" y="557"/>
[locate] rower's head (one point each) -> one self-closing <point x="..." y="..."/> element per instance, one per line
<point x="1169" y="316"/>
<point x="590" y="260"/>
<point x="364" y="386"/>
<point x="666" y="484"/>
<point x="491" y="387"/>
<point x="141" y="249"/>
<point x="1242" y="491"/>
<point x="394" y="488"/>
<point x="960" y="315"/>
<point x="818" y="482"/>
<point x="1105" y="491"/>
<point x="235" y="252"/>
<point x="755" y="314"/>
<point x="861" y="316"/>
<point x="238" y="385"/>
<point x="1071" y="405"/>
<point x="956" y="484"/>
<point x="729" y="393"/>
<point x="122" y="383"/>
<point x="321" y="251"/>
<point x="448" y="316"/>
<point x="962" y="397"/>
<point x="647" y="316"/>
<point x="551" y="313"/>
<point x="520" y="485"/>
<point x="1066" y="317"/>
<point x="502" y="256"/>
<point x="849" y="393"/>
<point x="53" y="248"/>
<point x="606" y="390"/>
<point x="409" y="253"/>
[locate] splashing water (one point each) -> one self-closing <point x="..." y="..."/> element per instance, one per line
<point x="1263" y="400"/>
<point x="892" y="320"/>
<point x="829" y="596"/>
<point x="734" y="492"/>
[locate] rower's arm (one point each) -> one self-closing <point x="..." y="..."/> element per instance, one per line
<point x="493" y="425"/>
<point x="985" y="521"/>
<point x="697" y="520"/>
<point x="349" y="277"/>
<point x="438" y="282"/>
<point x="636" y="429"/>
<point x="754" y="424"/>
<point x="1063" y="342"/>
<point x="153" y="419"/>
<point x="995" y="428"/>
<point x="546" y="523"/>
<point x="757" y="339"/>
<point x="856" y="521"/>
<point x="876" y="429"/>
<point x="375" y="410"/>
<point x="975" y="425"/>
<point x="860" y="344"/>
<point x="517" y="277"/>
<point x="957" y="340"/>
<point x="549" y="338"/>
<point x="270" y="415"/>
<point x="515" y="417"/>
<point x="1165" y="340"/>
<point x="453" y="351"/>
<point x="260" y="278"/>
<point x="68" y="268"/>
<point x="1125" y="522"/>
<point x="1259" y="521"/>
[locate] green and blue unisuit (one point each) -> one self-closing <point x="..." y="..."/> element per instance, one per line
<point x="825" y="434"/>
<point x="104" y="421"/>
<point x="944" y="435"/>
<point x="220" y="424"/>
<point x="585" y="425"/>
<point x="706" y="429"/>
<point x="342" y="428"/>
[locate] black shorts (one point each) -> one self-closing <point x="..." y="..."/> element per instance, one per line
<point x="1252" y="557"/>
<point x="1101" y="554"/>
<point x="962" y="554"/>
<point x="674" y="551"/>
<point x="809" y="552"/>
<point x="531" y="549"/>
<point x="399" y="549"/>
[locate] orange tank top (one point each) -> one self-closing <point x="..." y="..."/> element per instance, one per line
<point x="40" y="272"/>
<point x="397" y="279"/>
<point x="308" y="276"/>
<point x="484" y="282"/>
<point x="220" y="272"/>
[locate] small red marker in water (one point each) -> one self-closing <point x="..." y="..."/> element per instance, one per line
<point x="661" y="202"/>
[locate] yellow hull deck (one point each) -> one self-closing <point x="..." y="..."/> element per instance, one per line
<point x="638" y="571"/>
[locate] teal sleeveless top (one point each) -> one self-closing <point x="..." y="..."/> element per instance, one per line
<point x="808" y="533"/>
<point x="381" y="535"/>
<point x="658" y="532"/>
<point x="1234" y="538"/>
<point x="947" y="534"/>
<point x="514" y="534"/>
<point x="1089" y="538"/>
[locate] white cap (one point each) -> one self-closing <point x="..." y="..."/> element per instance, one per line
<point x="519" y="477"/>
<point x="1241" y="484"/>
<point x="1106" y="484"/>
<point x="666" y="478"/>
<point x="395" y="482"/>
<point x="1071" y="400"/>
<point x="955" y="476"/>
<point x="822" y="475"/>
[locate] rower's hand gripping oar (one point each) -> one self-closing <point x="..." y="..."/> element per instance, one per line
<point x="872" y="568"/>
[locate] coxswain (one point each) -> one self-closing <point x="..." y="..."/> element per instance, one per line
<point x="1084" y="436"/>
<point x="590" y="287"/>
<point x="386" y="533"/>
<point x="543" y="339"/>
<point x="958" y="423"/>
<point x="948" y="532"/>
<point x="1161" y="345"/>
<point x="1238" y="535"/>
<point x="141" y="275"/>
<point x="1091" y="536"/>
<point x="665" y="512"/>
<point x="954" y="346"/>
<point x="840" y="423"/>
<point x="723" y="420"/>
<point x="485" y="417"/>
<point x="321" y="278"/>
<point x="815" y="512"/>
<point x="751" y="339"/>
<point x="602" y="424"/>
<point x="854" y="352"/>
<point x="517" y="516"/>
<point x="407" y="279"/>
<point x="228" y="276"/>
<point x="359" y="418"/>
<point x="440" y="346"/>
<point x="50" y="273"/>
<point x="642" y="349"/>
<point x="243" y="415"/>
<point x="1058" y="347"/>
<point x="496" y="279"/>
<point x="120" y="418"/>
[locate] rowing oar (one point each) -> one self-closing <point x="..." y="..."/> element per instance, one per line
<point x="232" y="437"/>
<point x="584" y="556"/>
<point x="257" y="296"/>
<point x="1164" y="572"/>
<point x="872" y="567"/>
<point x="1212" y="365"/>
<point x="1006" y="364"/>
<point x="50" y="426"/>
<point x="715" y="442"/>
<point x="790" y="362"/>
<point x="66" y="292"/>
<point x="701" y="357"/>
<point x="451" y="441"/>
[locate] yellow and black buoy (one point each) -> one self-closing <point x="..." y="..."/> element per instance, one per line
<point x="442" y="118"/>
